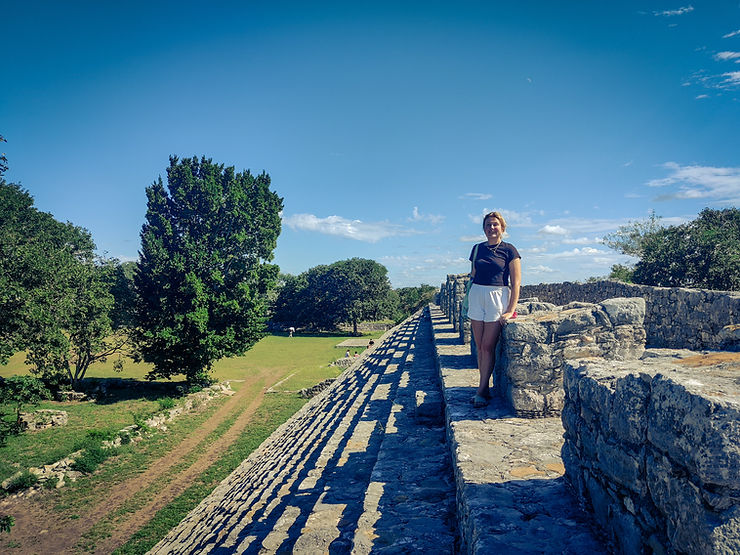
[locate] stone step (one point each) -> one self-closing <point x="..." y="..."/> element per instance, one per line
<point x="352" y="470"/>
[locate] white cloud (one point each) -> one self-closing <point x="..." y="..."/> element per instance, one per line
<point x="476" y="196"/>
<point x="540" y="269"/>
<point x="417" y="216"/>
<point x="553" y="230"/>
<point x="358" y="230"/>
<point x="585" y="252"/>
<point x="472" y="238"/>
<point x="731" y="79"/>
<point x="726" y="55"/>
<point x="728" y="35"/>
<point x="699" y="97"/>
<point x="679" y="11"/>
<point x="720" y="184"/>
<point x="581" y="241"/>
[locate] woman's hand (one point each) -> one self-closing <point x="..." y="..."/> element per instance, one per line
<point x="507" y="316"/>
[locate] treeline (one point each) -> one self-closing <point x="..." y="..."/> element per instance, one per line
<point x="703" y="253"/>
<point x="348" y="291"/>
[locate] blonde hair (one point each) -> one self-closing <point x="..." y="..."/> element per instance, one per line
<point x="496" y="215"/>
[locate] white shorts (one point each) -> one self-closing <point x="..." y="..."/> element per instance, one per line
<point x="486" y="303"/>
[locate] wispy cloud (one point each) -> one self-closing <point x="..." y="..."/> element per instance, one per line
<point x="696" y="182"/>
<point x="731" y="79"/>
<point x="476" y="196"/>
<point x="679" y="11"/>
<point x="370" y="232"/>
<point x="581" y="240"/>
<point x="512" y="217"/>
<point x="726" y="55"/>
<point x="700" y="96"/>
<point x="733" y="34"/>
<point x="417" y="216"/>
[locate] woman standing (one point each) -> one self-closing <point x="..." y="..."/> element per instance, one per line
<point x="496" y="272"/>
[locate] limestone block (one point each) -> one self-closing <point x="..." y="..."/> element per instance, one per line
<point x="689" y="527"/>
<point x="620" y="465"/>
<point x="628" y="417"/>
<point x="625" y="310"/>
<point x="699" y="432"/>
<point x="575" y="321"/>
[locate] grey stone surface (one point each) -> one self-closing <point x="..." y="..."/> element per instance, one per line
<point x="353" y="471"/>
<point x="653" y="446"/>
<point x="511" y="493"/>
<point x="529" y="362"/>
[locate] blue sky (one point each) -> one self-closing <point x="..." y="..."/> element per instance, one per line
<point x="389" y="128"/>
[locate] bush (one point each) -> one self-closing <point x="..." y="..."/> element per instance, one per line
<point x="166" y="403"/>
<point x="24" y="481"/>
<point x="91" y="459"/>
<point x="6" y="523"/>
<point x="140" y="418"/>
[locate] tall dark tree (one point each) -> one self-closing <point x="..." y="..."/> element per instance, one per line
<point x="203" y="274"/>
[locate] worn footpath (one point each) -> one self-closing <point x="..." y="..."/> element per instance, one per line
<point x="361" y="468"/>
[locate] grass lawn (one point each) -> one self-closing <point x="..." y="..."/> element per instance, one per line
<point x="294" y="362"/>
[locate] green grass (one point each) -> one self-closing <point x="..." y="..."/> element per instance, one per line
<point x="303" y="359"/>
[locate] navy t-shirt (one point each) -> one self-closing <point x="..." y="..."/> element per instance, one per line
<point x="492" y="263"/>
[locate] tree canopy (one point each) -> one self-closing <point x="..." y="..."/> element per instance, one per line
<point x="54" y="291"/>
<point x="203" y="274"/>
<point x="348" y="291"/>
<point x="703" y="253"/>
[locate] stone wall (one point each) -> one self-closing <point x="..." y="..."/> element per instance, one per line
<point x="674" y="317"/>
<point x="653" y="449"/>
<point x="678" y="318"/>
<point x="529" y="364"/>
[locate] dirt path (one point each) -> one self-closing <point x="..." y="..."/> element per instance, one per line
<point x="40" y="529"/>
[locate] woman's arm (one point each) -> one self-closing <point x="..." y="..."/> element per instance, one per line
<point x="515" y="277"/>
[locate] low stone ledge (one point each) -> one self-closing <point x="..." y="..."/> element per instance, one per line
<point x="653" y="446"/>
<point x="534" y="347"/>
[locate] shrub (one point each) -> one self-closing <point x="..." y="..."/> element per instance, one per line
<point x="6" y="523"/>
<point x="24" y="481"/>
<point x="140" y="418"/>
<point x="166" y="403"/>
<point x="91" y="458"/>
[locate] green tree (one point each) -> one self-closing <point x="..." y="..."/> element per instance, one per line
<point x="203" y="276"/>
<point x="703" y="253"/>
<point x="54" y="291"/>
<point x="20" y="391"/>
<point x="630" y="239"/>
<point x="348" y="291"/>
<point x="412" y="299"/>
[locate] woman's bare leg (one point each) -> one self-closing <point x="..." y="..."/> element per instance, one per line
<point x="486" y="335"/>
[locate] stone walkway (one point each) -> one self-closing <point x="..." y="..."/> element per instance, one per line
<point x="511" y="494"/>
<point x="372" y="465"/>
<point x="355" y="470"/>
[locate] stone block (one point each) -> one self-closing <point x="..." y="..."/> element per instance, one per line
<point x="625" y="310"/>
<point x="621" y="466"/>
<point x="628" y="418"/>
<point x="429" y="408"/>
<point x="698" y="432"/>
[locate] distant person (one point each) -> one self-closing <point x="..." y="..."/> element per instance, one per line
<point x="346" y="355"/>
<point x="496" y="271"/>
<point x="356" y="354"/>
<point x="291" y="331"/>
<point x="370" y="344"/>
